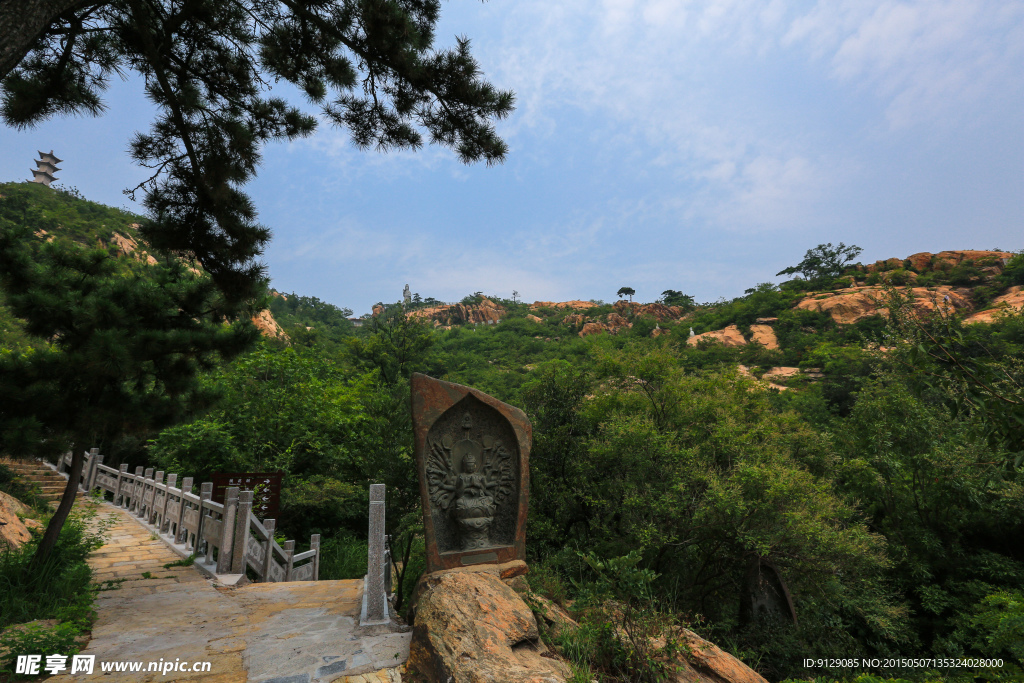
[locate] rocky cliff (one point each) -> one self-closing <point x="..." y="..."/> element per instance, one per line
<point x="486" y="312"/>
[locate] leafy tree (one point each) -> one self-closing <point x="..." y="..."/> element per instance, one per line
<point x="940" y="352"/>
<point x="626" y="291"/>
<point x="124" y="342"/>
<point x="932" y="484"/>
<point x="1013" y="274"/>
<point x="208" y="65"/>
<point x="394" y="344"/>
<point x="672" y="297"/>
<point x="824" y="262"/>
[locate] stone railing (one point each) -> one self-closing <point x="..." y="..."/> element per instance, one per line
<point x="226" y="537"/>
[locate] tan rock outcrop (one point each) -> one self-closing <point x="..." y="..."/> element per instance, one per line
<point x="486" y="312"/>
<point x="613" y="325"/>
<point x="13" y="532"/>
<point x="471" y="627"/>
<point x="575" y="304"/>
<point x="659" y="331"/>
<point x="920" y="261"/>
<point x="764" y="335"/>
<point x="534" y="318"/>
<point x="268" y="327"/>
<point x="782" y="372"/>
<point x="925" y="260"/>
<point x="657" y="311"/>
<point x="128" y="246"/>
<point x="616" y="322"/>
<point x="847" y="306"/>
<point x="730" y="336"/>
<point x="1009" y="303"/>
<point x="959" y="256"/>
<point x="573" y="319"/>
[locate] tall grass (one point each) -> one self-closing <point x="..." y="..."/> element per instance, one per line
<point x="342" y="557"/>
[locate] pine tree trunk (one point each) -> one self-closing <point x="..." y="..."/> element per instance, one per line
<point x="49" y="540"/>
<point x="21" y="23"/>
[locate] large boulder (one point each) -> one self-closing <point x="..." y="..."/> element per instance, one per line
<point x="13" y="531"/>
<point x="705" y="662"/>
<point x="470" y="627"/>
<point x="764" y="335"/>
<point x="729" y="336"/>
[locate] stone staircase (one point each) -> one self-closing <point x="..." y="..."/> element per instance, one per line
<point x="40" y="475"/>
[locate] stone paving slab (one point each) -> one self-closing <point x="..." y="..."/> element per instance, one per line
<point x="298" y="632"/>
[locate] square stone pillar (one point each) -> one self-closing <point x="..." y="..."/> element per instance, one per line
<point x="375" y="600"/>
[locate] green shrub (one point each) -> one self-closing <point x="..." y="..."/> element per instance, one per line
<point x="59" y="589"/>
<point x="898" y="277"/>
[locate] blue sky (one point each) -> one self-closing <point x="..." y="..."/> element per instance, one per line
<point x="698" y="146"/>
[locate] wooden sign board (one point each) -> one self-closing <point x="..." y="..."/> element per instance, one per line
<point x="265" y="487"/>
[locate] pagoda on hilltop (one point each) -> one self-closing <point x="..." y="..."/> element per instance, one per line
<point x="47" y="164"/>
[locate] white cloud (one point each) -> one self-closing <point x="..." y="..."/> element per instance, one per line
<point x="931" y="61"/>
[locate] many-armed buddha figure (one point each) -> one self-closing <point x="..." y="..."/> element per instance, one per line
<point x="459" y="488"/>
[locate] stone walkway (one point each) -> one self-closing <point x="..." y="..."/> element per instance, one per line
<point x="298" y="632"/>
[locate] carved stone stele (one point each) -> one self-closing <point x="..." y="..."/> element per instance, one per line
<point x="472" y="455"/>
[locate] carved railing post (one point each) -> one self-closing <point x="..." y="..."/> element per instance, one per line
<point x="375" y="603"/>
<point x="186" y="488"/>
<point x="94" y="468"/>
<point x="143" y="509"/>
<point x="289" y="554"/>
<point x="205" y="493"/>
<point x="268" y="557"/>
<point x="314" y="544"/>
<point x="172" y="479"/>
<point x="241" y="532"/>
<point x="227" y="530"/>
<point x="122" y="475"/>
<point x="154" y="514"/>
